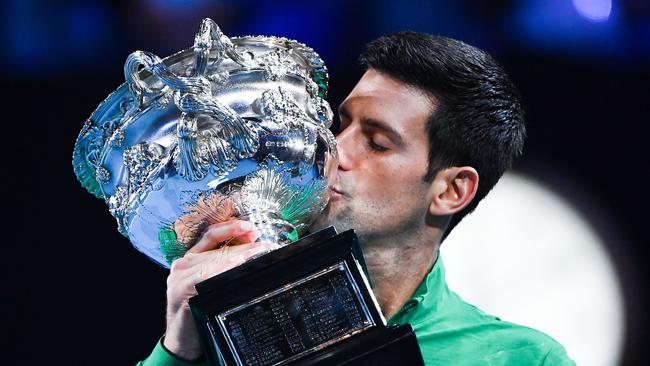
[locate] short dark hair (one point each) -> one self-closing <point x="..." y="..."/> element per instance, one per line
<point x="479" y="119"/>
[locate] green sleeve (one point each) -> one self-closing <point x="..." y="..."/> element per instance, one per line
<point x="160" y="356"/>
<point x="557" y="356"/>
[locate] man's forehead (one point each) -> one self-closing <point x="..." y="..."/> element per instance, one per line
<point x="379" y="84"/>
<point x="378" y="96"/>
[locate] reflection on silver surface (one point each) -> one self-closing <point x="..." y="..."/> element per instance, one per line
<point x="231" y="127"/>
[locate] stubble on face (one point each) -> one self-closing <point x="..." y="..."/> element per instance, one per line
<point x="379" y="188"/>
<point x="381" y="193"/>
<point x="376" y="221"/>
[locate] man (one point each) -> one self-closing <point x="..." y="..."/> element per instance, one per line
<point x="425" y="134"/>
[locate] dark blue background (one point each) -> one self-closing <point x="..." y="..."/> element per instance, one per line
<point x="78" y="293"/>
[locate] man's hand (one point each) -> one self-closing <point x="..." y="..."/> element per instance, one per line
<point x="205" y="259"/>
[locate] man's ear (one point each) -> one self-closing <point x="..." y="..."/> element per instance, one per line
<point x="452" y="189"/>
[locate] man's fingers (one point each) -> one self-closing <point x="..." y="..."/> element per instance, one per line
<point x="218" y="233"/>
<point x="197" y="267"/>
<point x="217" y="260"/>
<point x="231" y="256"/>
<point x="246" y="238"/>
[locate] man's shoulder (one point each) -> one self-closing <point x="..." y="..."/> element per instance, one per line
<point x="467" y="335"/>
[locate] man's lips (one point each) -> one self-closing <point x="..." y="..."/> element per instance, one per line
<point x="336" y="192"/>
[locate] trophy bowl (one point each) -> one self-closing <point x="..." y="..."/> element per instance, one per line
<point x="229" y="128"/>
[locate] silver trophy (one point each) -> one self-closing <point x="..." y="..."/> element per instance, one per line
<point x="231" y="127"/>
<point x="238" y="127"/>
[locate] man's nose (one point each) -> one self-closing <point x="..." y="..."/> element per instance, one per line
<point x="345" y="145"/>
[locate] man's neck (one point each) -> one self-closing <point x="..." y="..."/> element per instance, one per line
<point x="396" y="269"/>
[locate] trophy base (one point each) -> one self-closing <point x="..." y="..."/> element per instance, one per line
<point x="307" y="303"/>
<point x="394" y="345"/>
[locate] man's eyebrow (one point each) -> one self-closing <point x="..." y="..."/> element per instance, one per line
<point x="393" y="134"/>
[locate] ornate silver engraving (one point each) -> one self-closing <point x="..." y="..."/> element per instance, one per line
<point x="103" y="175"/>
<point x="140" y="160"/>
<point x="279" y="63"/>
<point x="282" y="107"/>
<point x="189" y="161"/>
<point x="118" y="138"/>
<point x="226" y="128"/>
<point x="116" y="206"/>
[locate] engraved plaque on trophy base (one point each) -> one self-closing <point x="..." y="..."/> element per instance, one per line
<point x="307" y="303"/>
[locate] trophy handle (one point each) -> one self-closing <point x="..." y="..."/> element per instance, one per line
<point x="209" y="39"/>
<point x="192" y="96"/>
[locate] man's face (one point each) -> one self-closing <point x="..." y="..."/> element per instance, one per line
<point x="383" y="155"/>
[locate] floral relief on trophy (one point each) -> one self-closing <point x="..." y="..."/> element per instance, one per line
<point x="116" y="206"/>
<point x="279" y="63"/>
<point x="282" y="109"/>
<point x="140" y="161"/>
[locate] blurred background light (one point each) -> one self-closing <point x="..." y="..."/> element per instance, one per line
<point x="568" y="28"/>
<point x="596" y="10"/>
<point x="527" y="256"/>
<point x="67" y="33"/>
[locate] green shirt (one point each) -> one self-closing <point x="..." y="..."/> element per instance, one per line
<point x="160" y="356"/>
<point x="451" y="332"/>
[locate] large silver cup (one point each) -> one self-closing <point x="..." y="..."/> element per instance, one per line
<point x="232" y="127"/>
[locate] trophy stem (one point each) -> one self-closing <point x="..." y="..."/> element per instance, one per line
<point x="272" y="227"/>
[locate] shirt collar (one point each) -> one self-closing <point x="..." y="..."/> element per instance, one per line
<point x="428" y="296"/>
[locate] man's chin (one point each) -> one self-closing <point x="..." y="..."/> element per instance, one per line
<point x="321" y="223"/>
<point x="327" y="219"/>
